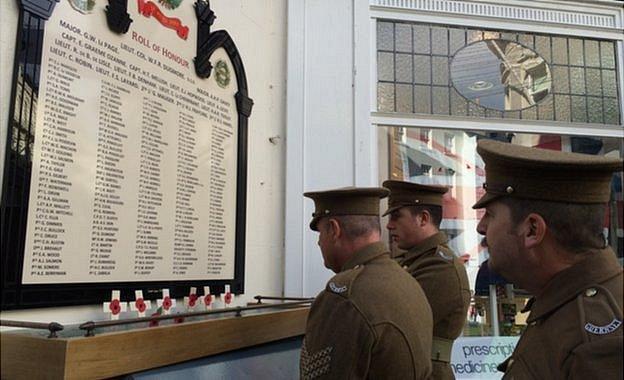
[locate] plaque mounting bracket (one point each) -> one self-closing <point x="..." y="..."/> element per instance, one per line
<point x="117" y="16"/>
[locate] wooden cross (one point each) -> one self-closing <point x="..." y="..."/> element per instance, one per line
<point x="140" y="305"/>
<point x="191" y="300"/>
<point x="114" y="307"/>
<point x="227" y="297"/>
<point x="166" y="303"/>
<point x="207" y="298"/>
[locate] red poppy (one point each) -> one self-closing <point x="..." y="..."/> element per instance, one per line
<point x="178" y="319"/>
<point x="207" y="299"/>
<point x="166" y="303"/>
<point x="228" y="298"/>
<point x="114" y="307"/>
<point x="140" y="305"/>
<point x="154" y="323"/>
<point x="192" y="299"/>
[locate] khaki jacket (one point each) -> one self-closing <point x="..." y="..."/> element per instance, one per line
<point x="443" y="277"/>
<point x="574" y="330"/>
<point x="371" y="321"/>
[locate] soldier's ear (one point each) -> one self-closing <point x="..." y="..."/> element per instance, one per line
<point x="534" y="230"/>
<point x="334" y="228"/>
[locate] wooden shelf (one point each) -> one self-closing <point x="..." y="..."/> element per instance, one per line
<point x="118" y="353"/>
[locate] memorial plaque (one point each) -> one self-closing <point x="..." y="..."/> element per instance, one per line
<point x="138" y="161"/>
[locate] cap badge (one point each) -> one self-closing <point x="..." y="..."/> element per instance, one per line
<point x="337" y="289"/>
<point x="602" y="330"/>
<point x="509" y="189"/>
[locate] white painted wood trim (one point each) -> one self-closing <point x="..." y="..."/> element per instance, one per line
<point x="520" y="126"/>
<point x="365" y="141"/>
<point x="588" y="14"/>
<point x="295" y="168"/>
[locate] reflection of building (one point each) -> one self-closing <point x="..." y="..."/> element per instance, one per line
<point x="524" y="74"/>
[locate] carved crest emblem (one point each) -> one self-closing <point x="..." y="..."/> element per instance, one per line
<point x="222" y="74"/>
<point x="83" y="6"/>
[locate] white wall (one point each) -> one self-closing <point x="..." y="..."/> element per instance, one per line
<point x="259" y="31"/>
<point x="331" y="142"/>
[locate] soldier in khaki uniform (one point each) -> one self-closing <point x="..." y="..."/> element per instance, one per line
<point x="543" y="226"/>
<point x="415" y="214"/>
<point x="371" y="321"/>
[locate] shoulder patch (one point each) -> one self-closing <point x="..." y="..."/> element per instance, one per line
<point x="341" y="283"/>
<point x="337" y="289"/>
<point x="603" y="330"/>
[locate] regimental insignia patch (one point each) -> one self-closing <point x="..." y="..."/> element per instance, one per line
<point x="602" y="330"/>
<point x="337" y="289"/>
<point x="315" y="365"/>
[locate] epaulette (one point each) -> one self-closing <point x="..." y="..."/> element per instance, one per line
<point x="342" y="282"/>
<point x="600" y="313"/>
<point x="445" y="252"/>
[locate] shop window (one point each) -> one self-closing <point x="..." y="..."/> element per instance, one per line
<point x="472" y="72"/>
<point x="463" y="171"/>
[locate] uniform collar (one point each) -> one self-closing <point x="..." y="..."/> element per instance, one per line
<point x="365" y="255"/>
<point x="569" y="282"/>
<point x="428" y="244"/>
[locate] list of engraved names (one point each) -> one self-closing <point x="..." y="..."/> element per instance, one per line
<point x="134" y="165"/>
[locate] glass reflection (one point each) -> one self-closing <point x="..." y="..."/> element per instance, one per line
<point x="501" y="75"/>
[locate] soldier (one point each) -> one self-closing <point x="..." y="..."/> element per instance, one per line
<point x="372" y="320"/>
<point x="415" y="215"/>
<point x="543" y="226"/>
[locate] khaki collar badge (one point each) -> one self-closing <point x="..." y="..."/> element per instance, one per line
<point x="602" y="330"/>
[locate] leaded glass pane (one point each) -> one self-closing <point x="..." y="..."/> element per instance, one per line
<point x="494" y="114"/>
<point x="561" y="81"/>
<point x="511" y="114"/>
<point x="385" y="36"/>
<point x="421" y="39"/>
<point x="579" y="110"/>
<point x="529" y="113"/>
<point x="422" y="69"/>
<point x="607" y="57"/>
<point x="440" y="70"/>
<point x="562" y="107"/>
<point x="403" y="38"/>
<point x="385" y="66"/>
<point x="542" y="47"/>
<point x="459" y="105"/>
<point x="592" y="53"/>
<point x="404" y="98"/>
<point x="422" y="99"/>
<point x="404" y="68"/>
<point x="475" y="110"/>
<point x="576" y="52"/>
<point x="385" y="97"/>
<point x="474" y="35"/>
<point x="457" y="39"/>
<point x="537" y="77"/>
<point x="509" y="36"/>
<point x="594" y="107"/>
<point x="611" y="111"/>
<point x="440" y="100"/>
<point x="609" y="84"/>
<point x="560" y="50"/>
<point x="577" y="80"/>
<point x="546" y="109"/>
<point x="594" y="85"/>
<point x="439" y="41"/>
<point x="526" y="40"/>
